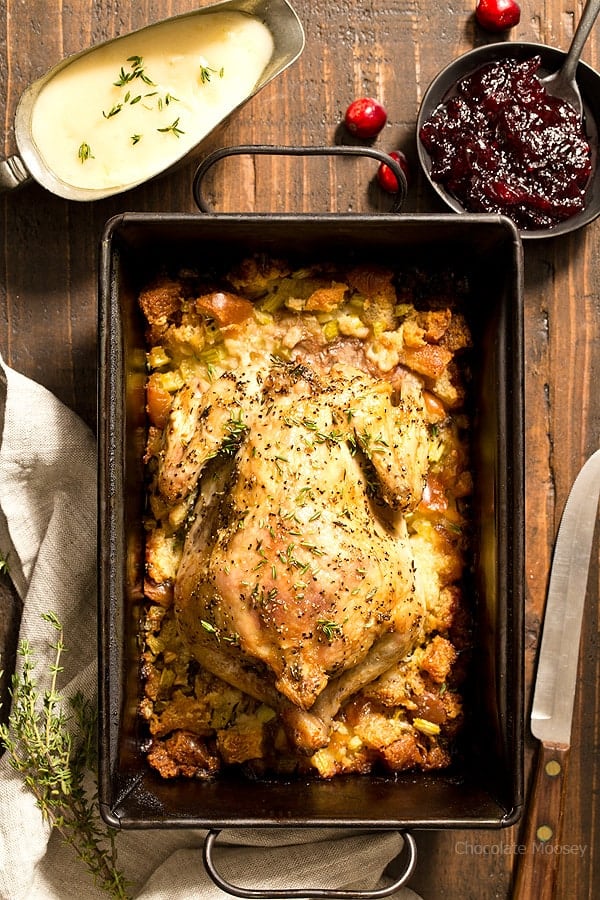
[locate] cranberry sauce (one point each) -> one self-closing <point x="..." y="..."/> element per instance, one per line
<point x="502" y="144"/>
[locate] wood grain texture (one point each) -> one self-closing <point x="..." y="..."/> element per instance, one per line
<point x="48" y="264"/>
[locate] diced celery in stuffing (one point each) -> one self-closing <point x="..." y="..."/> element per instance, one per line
<point x="158" y="357"/>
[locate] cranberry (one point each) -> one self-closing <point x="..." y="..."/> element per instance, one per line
<point x="365" y="117"/>
<point x="497" y="15"/>
<point x="386" y="178"/>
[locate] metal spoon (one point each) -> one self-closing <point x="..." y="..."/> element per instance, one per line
<point x="562" y="83"/>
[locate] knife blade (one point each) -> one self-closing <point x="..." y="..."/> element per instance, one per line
<point x="556" y="679"/>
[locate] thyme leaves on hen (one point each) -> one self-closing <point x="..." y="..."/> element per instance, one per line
<point x="232" y="638"/>
<point x="330" y="629"/>
<point x="235" y="430"/>
<point x="53" y="750"/>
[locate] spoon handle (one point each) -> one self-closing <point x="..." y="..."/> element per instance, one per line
<point x="586" y="22"/>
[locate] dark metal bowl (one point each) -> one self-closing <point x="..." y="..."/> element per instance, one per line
<point x="589" y="84"/>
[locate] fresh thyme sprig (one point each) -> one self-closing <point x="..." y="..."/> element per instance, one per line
<point x="53" y="751"/>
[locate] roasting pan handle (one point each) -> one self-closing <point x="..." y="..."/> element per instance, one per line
<point x="410" y="848"/>
<point x="278" y="150"/>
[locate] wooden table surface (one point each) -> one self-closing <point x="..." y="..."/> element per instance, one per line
<point x="392" y="50"/>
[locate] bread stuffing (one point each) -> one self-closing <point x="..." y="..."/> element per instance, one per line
<point x="307" y="528"/>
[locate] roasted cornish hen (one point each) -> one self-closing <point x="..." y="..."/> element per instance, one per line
<point x="297" y="561"/>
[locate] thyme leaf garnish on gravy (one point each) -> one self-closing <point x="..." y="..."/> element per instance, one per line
<point x="125" y="78"/>
<point x="113" y="112"/>
<point x="169" y="98"/>
<point x="137" y="71"/>
<point x="172" y="128"/>
<point x="206" y="73"/>
<point x="53" y="750"/>
<point x="85" y="152"/>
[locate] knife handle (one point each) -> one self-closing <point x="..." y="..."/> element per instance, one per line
<point x="538" y="863"/>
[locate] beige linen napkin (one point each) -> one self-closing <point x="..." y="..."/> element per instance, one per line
<point x="48" y="534"/>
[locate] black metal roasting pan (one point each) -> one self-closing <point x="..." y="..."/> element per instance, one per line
<point x="484" y="788"/>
